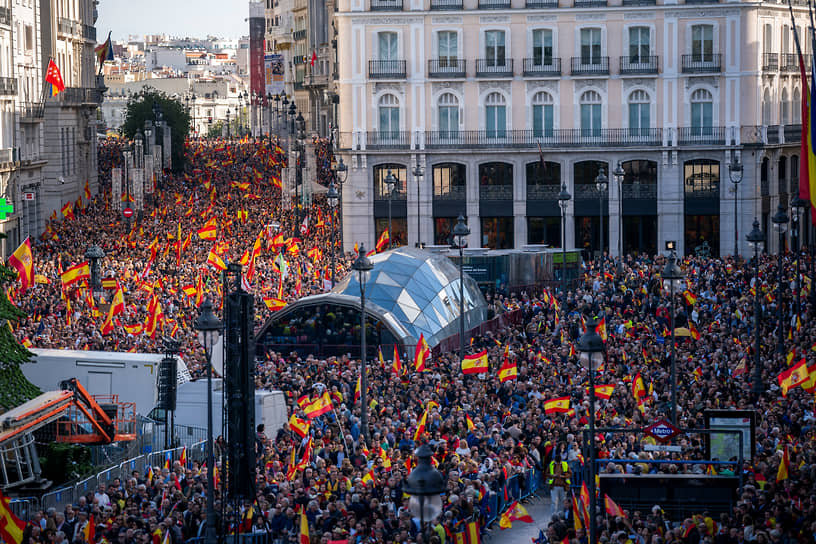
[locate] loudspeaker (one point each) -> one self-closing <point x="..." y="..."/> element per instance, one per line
<point x="167" y="384"/>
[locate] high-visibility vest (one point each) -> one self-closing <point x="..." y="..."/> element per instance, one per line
<point x="551" y="471"/>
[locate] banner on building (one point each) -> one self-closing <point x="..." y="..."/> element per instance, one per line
<point x="148" y="181"/>
<point x="116" y="185"/>
<point x="275" y="70"/>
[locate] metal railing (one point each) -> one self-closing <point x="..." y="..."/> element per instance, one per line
<point x="457" y="192"/>
<point x="70" y="494"/>
<point x="641" y="64"/>
<point x="639" y="2"/>
<point x="396" y="196"/>
<point x="588" y="191"/>
<point x="31" y="110"/>
<point x="396" y="139"/>
<point x="542" y="66"/>
<point x="770" y="62"/>
<point x="494" y="4"/>
<point x="496" y="192"/>
<point x="539" y="4"/>
<point x="569" y="137"/>
<point x="494" y="67"/>
<point x="299" y="34"/>
<point x="581" y="66"/>
<point x="639" y="191"/>
<point x="701" y="193"/>
<point x="701" y="135"/>
<point x="701" y="64"/>
<point x="81" y="95"/>
<point x="772" y="134"/>
<point x="447" y="68"/>
<point x="792" y="133"/>
<point x="543" y="192"/>
<point x="590" y="4"/>
<point x="386" y="5"/>
<point x="446" y="4"/>
<point x="89" y="32"/>
<point x="387" y="69"/>
<point x="8" y="86"/>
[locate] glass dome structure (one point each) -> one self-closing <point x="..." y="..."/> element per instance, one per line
<point x="410" y="292"/>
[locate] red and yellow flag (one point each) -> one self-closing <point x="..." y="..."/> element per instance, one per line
<point x="476" y="363"/>
<point x="22" y="260"/>
<point x="558" y="405"/>
<point x="11" y="527"/>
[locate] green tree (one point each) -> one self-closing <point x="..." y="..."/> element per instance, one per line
<point x="140" y="109"/>
<point x="15" y="389"/>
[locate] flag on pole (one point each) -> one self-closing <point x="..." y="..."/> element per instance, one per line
<point x="22" y="260"/>
<point x="54" y="78"/>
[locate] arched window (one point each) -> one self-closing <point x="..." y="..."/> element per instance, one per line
<point x="389" y="122"/>
<point x="702" y="178"/>
<point x="784" y="108"/>
<point x="590" y="114"/>
<point x="399" y="172"/>
<point x="702" y="112"/>
<point x="766" y="108"/>
<point x="797" y="102"/>
<point x="542" y="114"/>
<point x="639" y="113"/>
<point x="448" y="111"/>
<point x="495" y="115"/>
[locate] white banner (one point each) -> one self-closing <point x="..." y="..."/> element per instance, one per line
<point x="148" y="181"/>
<point x="116" y="186"/>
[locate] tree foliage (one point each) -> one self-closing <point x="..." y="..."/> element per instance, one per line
<point x="140" y="109"/>
<point x="15" y="389"/>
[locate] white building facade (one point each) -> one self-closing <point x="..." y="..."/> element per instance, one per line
<point x="500" y="102"/>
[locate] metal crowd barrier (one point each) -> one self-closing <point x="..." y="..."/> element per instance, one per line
<point x="24" y="507"/>
<point x="518" y="487"/>
<point x="70" y="494"/>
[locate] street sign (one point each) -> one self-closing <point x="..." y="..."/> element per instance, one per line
<point x="128" y="212"/>
<point x="662" y="430"/>
<point x="662" y="447"/>
<point x="28" y="196"/>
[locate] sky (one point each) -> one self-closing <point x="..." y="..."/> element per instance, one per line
<point x="183" y="18"/>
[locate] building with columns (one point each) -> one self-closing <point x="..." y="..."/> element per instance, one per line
<point x="500" y="102"/>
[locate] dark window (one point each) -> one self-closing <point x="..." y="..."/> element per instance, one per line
<point x="496" y="173"/>
<point x="381" y="189"/>
<point x="443" y="231"/>
<point x="550" y="174"/>
<point x="449" y="181"/>
<point x="783" y="171"/>
<point x="497" y="232"/>
<point x="586" y="172"/>
<point x="544" y="230"/>
<point x="702" y="178"/>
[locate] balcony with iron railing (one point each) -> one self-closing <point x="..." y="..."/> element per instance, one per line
<point x="298" y="35"/>
<point x="387" y="69"/>
<point x="792" y="133"/>
<point x="541" y="4"/>
<point x="495" y="192"/>
<point x="588" y="191"/>
<point x="89" y="32"/>
<point x="494" y="67"/>
<point x="770" y="62"/>
<point x="447" y="68"/>
<point x="697" y="63"/>
<point x="5" y="16"/>
<point x="386" y="5"/>
<point x="788" y="62"/>
<point x="543" y="192"/>
<point x="639" y="191"/>
<point x="494" y="4"/>
<point x="396" y="196"/>
<point x="639" y="65"/>
<point x="542" y="67"/>
<point x="701" y="135"/>
<point x="456" y="192"/>
<point x="639" y="2"/>
<point x="31" y="110"/>
<point x="81" y="96"/>
<point x="7" y="155"/>
<point x="701" y="191"/>
<point x="441" y="5"/>
<point x="772" y="134"/>
<point x="551" y="138"/>
<point x="590" y="4"/>
<point x="394" y="139"/>
<point x="582" y="66"/>
<point x="8" y="86"/>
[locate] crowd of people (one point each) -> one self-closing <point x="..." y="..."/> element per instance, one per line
<point x="349" y="482"/>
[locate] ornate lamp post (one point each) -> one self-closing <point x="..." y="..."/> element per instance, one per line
<point x="425" y="485"/>
<point x="209" y="330"/>
<point x="94" y="254"/>
<point x="618" y="174"/>
<point x="780" y="223"/>
<point x="461" y="232"/>
<point x="673" y="282"/>
<point x="756" y="239"/>
<point x="333" y="199"/>
<point x="601" y="184"/>
<point x="418" y="173"/>
<point x="798" y="205"/>
<point x="228" y="123"/>
<point x="735" y="173"/>
<point x="340" y="175"/>
<point x="563" y="201"/>
<point x="362" y="265"/>
<point x="390" y="183"/>
<point x="591" y="347"/>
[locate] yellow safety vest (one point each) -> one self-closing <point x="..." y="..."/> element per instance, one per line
<point x="564" y="469"/>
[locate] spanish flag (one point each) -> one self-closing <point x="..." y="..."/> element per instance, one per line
<point x="396" y="365"/>
<point x="382" y="243"/>
<point x="638" y="389"/>
<point x="558" y="405"/>
<point x="469" y="421"/>
<point x="604" y="391"/>
<point x="304" y="527"/>
<point x="783" y="472"/>
<point x="508" y="371"/>
<point x="611" y="508"/>
<point x="11" y="527"/>
<point x="299" y="426"/>
<point x="75" y="274"/>
<point x="600" y="329"/>
<point x="420" y="430"/>
<point x="274" y="304"/>
<point x="215" y="261"/>
<point x="320" y="406"/>
<point x="793" y="377"/>
<point x="22" y="260"/>
<point x="183" y="457"/>
<point x="421" y="354"/>
<point x="690" y="297"/>
<point x="209" y="231"/>
<point x="476" y="363"/>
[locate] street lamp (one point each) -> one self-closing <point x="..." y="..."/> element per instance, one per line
<point x="209" y="330"/>
<point x="460" y="232"/>
<point x="756" y="239"/>
<point x="797" y="205"/>
<point x="340" y="175"/>
<point x="780" y="223"/>
<point x="735" y="173"/>
<point x="601" y="184"/>
<point x="563" y="201"/>
<point x="333" y="197"/>
<point x="94" y="254"/>
<point x="425" y="486"/>
<point x="618" y="174"/>
<point x="362" y="265"/>
<point x="418" y="173"/>
<point x="390" y="182"/>
<point x="673" y="278"/>
<point x="228" y="123"/>
<point x="591" y="347"/>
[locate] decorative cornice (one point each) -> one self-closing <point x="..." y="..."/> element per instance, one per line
<point x="487" y="19"/>
<point x="394" y="20"/>
<point x="446" y="20"/>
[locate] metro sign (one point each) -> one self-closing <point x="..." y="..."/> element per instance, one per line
<point x="662" y="430"/>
